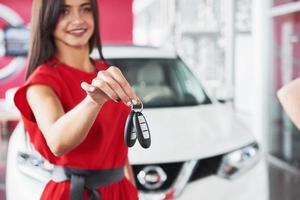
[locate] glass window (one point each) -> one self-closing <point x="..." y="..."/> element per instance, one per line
<point x="162" y="82"/>
<point x="284" y="137"/>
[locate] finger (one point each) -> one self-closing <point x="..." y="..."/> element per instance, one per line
<point x="104" y="87"/>
<point x="139" y="101"/>
<point x="115" y="86"/>
<point x="87" y="87"/>
<point x="119" y="77"/>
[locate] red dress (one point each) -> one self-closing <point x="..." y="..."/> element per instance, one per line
<point x="103" y="147"/>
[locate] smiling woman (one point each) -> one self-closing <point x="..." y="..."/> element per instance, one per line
<point x="75" y="25"/>
<point x="74" y="108"/>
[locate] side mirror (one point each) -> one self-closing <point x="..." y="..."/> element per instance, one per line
<point x="223" y="94"/>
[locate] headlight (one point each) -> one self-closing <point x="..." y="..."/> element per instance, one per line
<point x="237" y="162"/>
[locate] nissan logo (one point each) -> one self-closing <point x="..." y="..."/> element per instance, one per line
<point x="152" y="177"/>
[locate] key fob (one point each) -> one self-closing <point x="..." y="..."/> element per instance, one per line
<point x="130" y="134"/>
<point x="142" y="130"/>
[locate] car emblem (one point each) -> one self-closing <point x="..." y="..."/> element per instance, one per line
<point x="152" y="177"/>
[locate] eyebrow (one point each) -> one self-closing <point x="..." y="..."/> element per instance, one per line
<point x="86" y="4"/>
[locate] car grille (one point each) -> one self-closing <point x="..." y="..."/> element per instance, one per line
<point x="204" y="168"/>
<point x="171" y="169"/>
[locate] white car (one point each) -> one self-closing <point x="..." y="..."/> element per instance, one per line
<point x="200" y="148"/>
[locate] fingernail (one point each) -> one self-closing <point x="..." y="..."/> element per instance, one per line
<point x="134" y="102"/>
<point x="83" y="86"/>
<point x="91" y="89"/>
<point x="129" y="103"/>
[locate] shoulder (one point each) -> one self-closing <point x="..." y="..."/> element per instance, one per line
<point x="45" y="81"/>
<point x="45" y="74"/>
<point x="44" y="69"/>
<point x="44" y="78"/>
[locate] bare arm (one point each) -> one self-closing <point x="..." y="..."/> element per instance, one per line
<point x="65" y="131"/>
<point x="289" y="97"/>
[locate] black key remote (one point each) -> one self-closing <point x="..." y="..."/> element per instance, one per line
<point x="130" y="134"/>
<point x="142" y="129"/>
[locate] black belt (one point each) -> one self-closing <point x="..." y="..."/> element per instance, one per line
<point x="91" y="179"/>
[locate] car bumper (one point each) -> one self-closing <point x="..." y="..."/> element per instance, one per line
<point x="251" y="185"/>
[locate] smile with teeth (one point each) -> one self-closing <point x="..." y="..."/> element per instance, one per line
<point x="77" y="32"/>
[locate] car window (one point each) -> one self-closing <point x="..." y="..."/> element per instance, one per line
<point x="162" y="82"/>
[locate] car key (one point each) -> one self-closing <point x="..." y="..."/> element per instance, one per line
<point x="130" y="131"/>
<point x="142" y="130"/>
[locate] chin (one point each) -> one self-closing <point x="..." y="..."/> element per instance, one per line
<point x="77" y="44"/>
<point x="80" y="46"/>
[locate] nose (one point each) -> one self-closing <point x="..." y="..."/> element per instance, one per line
<point x="77" y="18"/>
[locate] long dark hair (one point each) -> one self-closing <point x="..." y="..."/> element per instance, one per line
<point x="45" y="14"/>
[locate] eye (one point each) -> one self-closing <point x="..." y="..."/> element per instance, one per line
<point x="65" y="11"/>
<point x="87" y="9"/>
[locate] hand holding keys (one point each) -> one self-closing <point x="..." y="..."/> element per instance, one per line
<point x="137" y="128"/>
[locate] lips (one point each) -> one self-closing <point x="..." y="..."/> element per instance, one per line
<point x="77" y="32"/>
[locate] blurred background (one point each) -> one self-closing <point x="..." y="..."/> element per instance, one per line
<point x="243" y="51"/>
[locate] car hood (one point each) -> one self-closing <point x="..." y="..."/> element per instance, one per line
<point x="195" y="132"/>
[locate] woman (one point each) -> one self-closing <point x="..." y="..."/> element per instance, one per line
<point x="289" y="97"/>
<point x="74" y="108"/>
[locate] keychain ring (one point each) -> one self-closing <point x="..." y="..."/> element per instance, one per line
<point x="141" y="108"/>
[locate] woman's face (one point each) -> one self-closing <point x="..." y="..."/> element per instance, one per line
<point x="75" y="25"/>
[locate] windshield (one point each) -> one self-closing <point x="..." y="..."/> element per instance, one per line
<point x="162" y="82"/>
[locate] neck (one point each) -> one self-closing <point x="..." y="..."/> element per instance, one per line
<point x="76" y="57"/>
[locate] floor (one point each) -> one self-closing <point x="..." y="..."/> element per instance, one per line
<point x="284" y="181"/>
